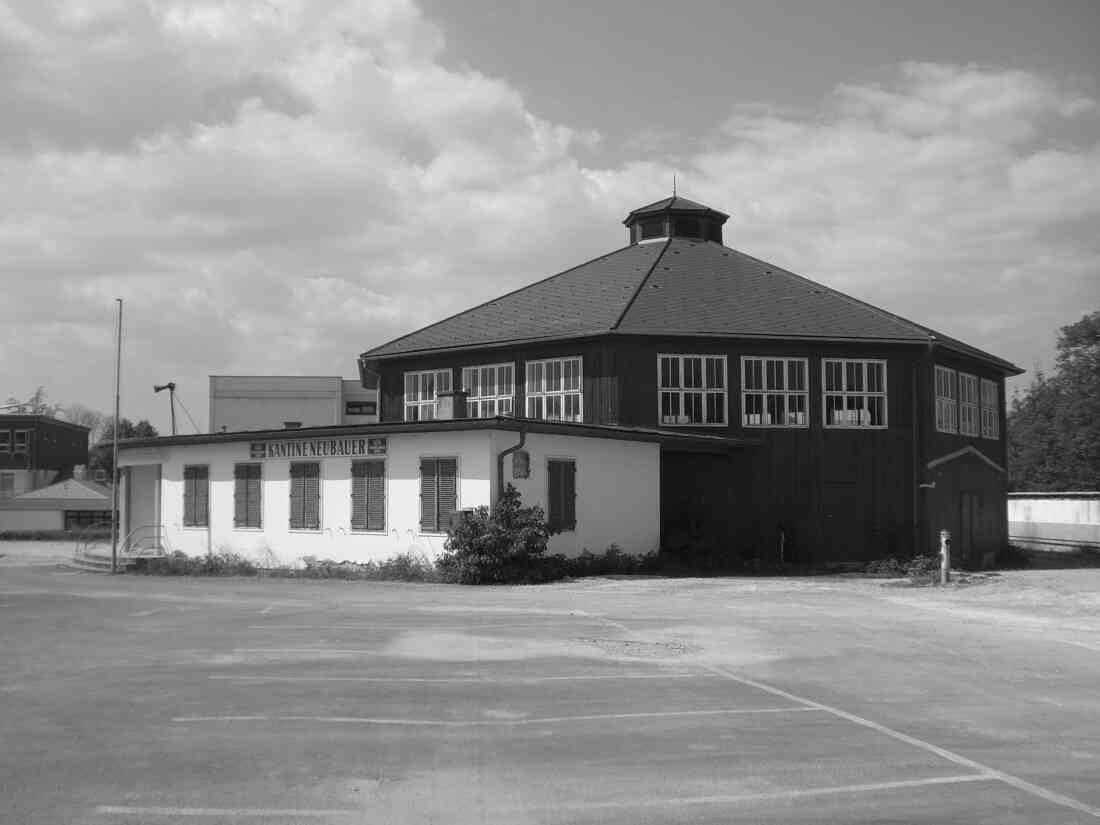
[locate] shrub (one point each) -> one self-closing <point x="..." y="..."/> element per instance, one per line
<point x="502" y="545"/>
<point x="923" y="569"/>
<point x="222" y="563"/>
<point x="885" y="569"/>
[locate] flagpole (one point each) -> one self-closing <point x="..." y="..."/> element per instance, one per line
<point x="114" y="448"/>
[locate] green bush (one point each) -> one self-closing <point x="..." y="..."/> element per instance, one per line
<point x="885" y="569"/>
<point x="222" y="563"/>
<point x="502" y="545"/>
<point x="923" y="569"/>
<point x="409" y="567"/>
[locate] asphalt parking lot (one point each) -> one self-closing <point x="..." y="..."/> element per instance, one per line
<point x="148" y="700"/>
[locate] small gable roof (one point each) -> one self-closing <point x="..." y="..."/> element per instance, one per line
<point x="70" y="490"/>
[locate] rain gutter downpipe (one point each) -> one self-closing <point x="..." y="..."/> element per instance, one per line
<point x="500" y="459"/>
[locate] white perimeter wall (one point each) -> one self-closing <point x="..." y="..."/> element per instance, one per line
<point x="33" y="519"/>
<point x="618" y="489"/>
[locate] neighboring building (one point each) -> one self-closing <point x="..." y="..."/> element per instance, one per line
<point x="36" y="450"/>
<point x="876" y="432"/>
<point x="72" y="504"/>
<point x="367" y="492"/>
<point x="263" y="402"/>
<point x="1055" y="521"/>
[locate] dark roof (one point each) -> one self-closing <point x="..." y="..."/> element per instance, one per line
<point x="668" y="437"/>
<point x="674" y="287"/>
<point x="672" y="204"/>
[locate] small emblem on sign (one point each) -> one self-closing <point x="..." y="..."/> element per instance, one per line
<point x="376" y="446"/>
<point x="259" y="449"/>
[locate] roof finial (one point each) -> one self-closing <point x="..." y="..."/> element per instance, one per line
<point x="674" y="184"/>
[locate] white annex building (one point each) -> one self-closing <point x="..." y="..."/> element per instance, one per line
<point x="366" y="492"/>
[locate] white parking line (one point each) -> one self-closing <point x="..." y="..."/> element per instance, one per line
<point x="715" y="799"/>
<point x="160" y="810"/>
<point x="488" y="680"/>
<point x="475" y="723"/>
<point x="958" y="759"/>
<point x="1009" y="779"/>
<point x="380" y="626"/>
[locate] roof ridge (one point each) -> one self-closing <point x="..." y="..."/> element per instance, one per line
<point x="641" y="285"/>
<point x="495" y="299"/>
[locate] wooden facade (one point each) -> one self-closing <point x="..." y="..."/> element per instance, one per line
<point x="804" y="494"/>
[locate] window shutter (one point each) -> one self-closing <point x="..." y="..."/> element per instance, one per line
<point x="428" y="498"/>
<point x="561" y="495"/>
<point x="448" y="491"/>
<point x="247" y="481"/>
<point x="254" y="514"/>
<point x="368" y="491"/>
<point x="569" y="495"/>
<point x="305" y="496"/>
<point x="196" y="496"/>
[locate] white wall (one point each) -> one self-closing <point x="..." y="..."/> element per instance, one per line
<point x="618" y="484"/>
<point x="335" y="539"/>
<point x="32" y="519"/>
<point x="1075" y="510"/>
<point x="618" y="490"/>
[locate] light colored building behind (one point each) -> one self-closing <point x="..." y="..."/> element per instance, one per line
<point x="267" y="402"/>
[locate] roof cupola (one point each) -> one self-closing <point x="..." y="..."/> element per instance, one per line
<point x="675" y="217"/>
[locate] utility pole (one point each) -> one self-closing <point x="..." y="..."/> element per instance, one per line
<point x="114" y="448"/>
<point x="171" y="387"/>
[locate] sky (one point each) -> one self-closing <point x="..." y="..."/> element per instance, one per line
<point x="274" y="186"/>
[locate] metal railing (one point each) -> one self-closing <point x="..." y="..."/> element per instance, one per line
<point x="145" y="541"/>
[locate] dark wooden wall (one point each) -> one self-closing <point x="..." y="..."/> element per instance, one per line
<point x="53" y="445"/>
<point x="834" y="494"/>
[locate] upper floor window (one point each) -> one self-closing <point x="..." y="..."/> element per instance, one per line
<point x="991" y="409"/>
<point x="360" y="408"/>
<point x="651" y="228"/>
<point x="946" y="398"/>
<point x="22" y="439"/>
<point x="554" y="389"/>
<point x="692" y="389"/>
<point x="5" y="441"/>
<point x="855" y="392"/>
<point x="491" y="390"/>
<point x="968" y="404"/>
<point x="774" y="392"/>
<point x="421" y="390"/>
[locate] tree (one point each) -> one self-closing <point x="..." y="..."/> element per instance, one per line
<point x="37" y="404"/>
<point x="1054" y="427"/>
<point x="94" y="420"/>
<point x="101" y="455"/>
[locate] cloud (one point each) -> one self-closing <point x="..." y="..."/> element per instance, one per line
<point x="274" y="187"/>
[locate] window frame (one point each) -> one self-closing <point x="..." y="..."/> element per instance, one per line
<point x="260" y="494"/>
<point x="189" y="492"/>
<point x="350" y="406"/>
<point x="385" y="497"/>
<point x="498" y="397"/>
<point x="563" y="393"/>
<point x="9" y="476"/>
<point x="948" y="404"/>
<point x="320" y="498"/>
<point x="990" y="410"/>
<point x="420" y="403"/>
<point x="564" y="526"/>
<point x="440" y="529"/>
<point x="703" y="390"/>
<point x="974" y="427"/>
<point x="15" y="448"/>
<point x="826" y="393"/>
<point x="5" y="441"/>
<point x="786" y="393"/>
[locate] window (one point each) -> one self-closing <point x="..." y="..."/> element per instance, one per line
<point x="247" y="495"/>
<point x="438" y="493"/>
<point x="968" y="404"/>
<point x="652" y="228"/>
<point x="855" y="393"/>
<point x="692" y="389"/>
<point x="491" y="389"/>
<point x="78" y="519"/>
<point x="774" y="392"/>
<point x="196" y="496"/>
<point x="22" y="439"/>
<point x="554" y="389"/>
<point x="5" y="441"/>
<point x="360" y="408"/>
<point x="305" y="495"/>
<point x="991" y="410"/>
<point x="689" y="227"/>
<point x="561" y="498"/>
<point x="421" y="389"/>
<point x="368" y="495"/>
<point x="7" y="485"/>
<point x="945" y="400"/>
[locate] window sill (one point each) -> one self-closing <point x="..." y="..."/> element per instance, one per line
<point x="857" y="426"/>
<point x="692" y="425"/>
<point x="237" y="529"/>
<point x="382" y="532"/>
<point x="316" y="531"/>
<point x="196" y="527"/>
<point x="777" y="426"/>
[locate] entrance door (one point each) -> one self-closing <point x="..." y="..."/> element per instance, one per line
<point x="843" y="524"/>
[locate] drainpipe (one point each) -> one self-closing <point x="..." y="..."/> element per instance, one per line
<point x="500" y="460"/>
